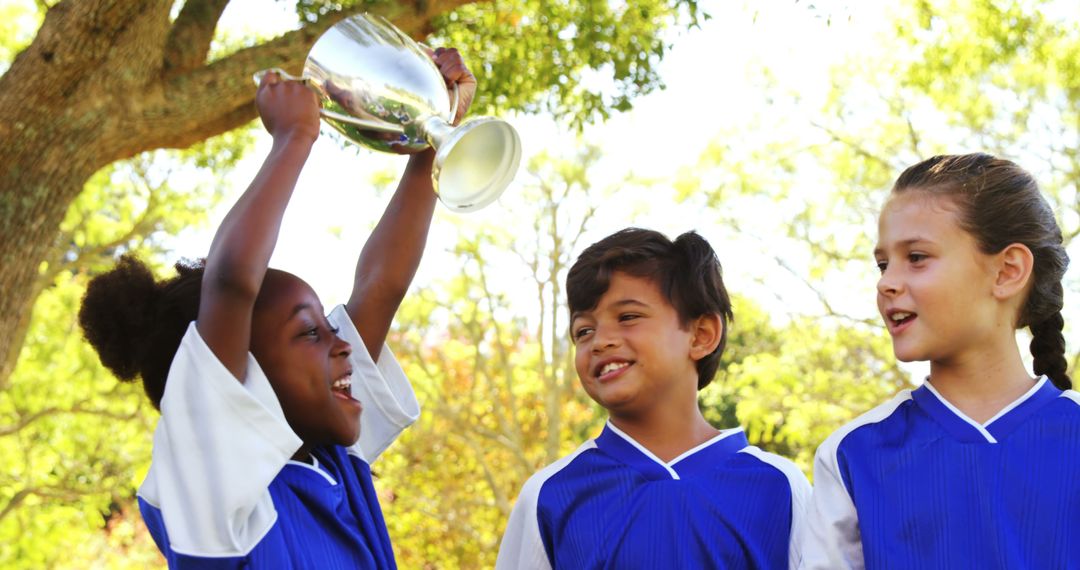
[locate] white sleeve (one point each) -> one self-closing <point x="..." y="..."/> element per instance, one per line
<point x="800" y="502"/>
<point x="217" y="447"/>
<point x="831" y="537"/>
<point x="389" y="402"/>
<point x="522" y="548"/>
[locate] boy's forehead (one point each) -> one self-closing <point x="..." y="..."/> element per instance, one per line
<point x="626" y="286"/>
<point x="640" y="292"/>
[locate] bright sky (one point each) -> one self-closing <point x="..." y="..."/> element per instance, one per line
<point x="713" y="86"/>
<point x="709" y="89"/>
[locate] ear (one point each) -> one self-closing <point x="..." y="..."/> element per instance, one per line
<point x="706" y="332"/>
<point x="1014" y="266"/>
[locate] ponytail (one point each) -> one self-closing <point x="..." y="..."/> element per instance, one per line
<point x="1048" y="349"/>
<point x="136" y="323"/>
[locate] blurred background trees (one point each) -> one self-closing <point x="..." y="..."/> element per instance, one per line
<point x="485" y="345"/>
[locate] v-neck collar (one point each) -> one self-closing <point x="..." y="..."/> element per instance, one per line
<point x="996" y="428"/>
<point x="624" y="448"/>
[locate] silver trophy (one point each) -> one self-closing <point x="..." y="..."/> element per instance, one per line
<point x="380" y="89"/>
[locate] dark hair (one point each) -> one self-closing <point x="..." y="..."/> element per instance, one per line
<point x="135" y="323"/>
<point x="686" y="271"/>
<point x="1000" y="204"/>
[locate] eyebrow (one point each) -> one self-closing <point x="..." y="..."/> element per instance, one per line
<point x="616" y="305"/>
<point x="907" y="242"/>
<point x="298" y="309"/>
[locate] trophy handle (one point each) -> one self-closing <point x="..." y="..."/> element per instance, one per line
<point x="362" y="123"/>
<point x="454" y="98"/>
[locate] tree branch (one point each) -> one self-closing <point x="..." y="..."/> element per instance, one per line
<point x="215" y="98"/>
<point x="15" y="501"/>
<point x="192" y="32"/>
<point x="78" y="408"/>
<point x="859" y="149"/>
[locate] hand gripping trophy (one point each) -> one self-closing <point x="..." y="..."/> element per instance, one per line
<point x="380" y="89"/>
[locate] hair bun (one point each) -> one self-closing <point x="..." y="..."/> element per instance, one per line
<point x="116" y="313"/>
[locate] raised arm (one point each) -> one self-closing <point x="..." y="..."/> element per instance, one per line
<point x="242" y="246"/>
<point x="392" y="254"/>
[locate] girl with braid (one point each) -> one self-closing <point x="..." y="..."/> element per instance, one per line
<point x="978" y="467"/>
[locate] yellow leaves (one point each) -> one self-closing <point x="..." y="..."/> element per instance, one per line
<point x="792" y="395"/>
<point x="19" y="19"/>
<point x="79" y="434"/>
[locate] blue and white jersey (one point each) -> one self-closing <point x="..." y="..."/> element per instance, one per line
<point x="613" y="504"/>
<point x="915" y="483"/>
<point x="222" y="491"/>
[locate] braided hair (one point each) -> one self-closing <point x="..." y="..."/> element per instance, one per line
<point x="1000" y="204"/>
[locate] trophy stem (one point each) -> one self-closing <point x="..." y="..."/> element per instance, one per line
<point x="434" y="130"/>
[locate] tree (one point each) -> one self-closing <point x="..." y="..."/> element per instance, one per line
<point x="106" y="80"/>
<point x="76" y="442"/>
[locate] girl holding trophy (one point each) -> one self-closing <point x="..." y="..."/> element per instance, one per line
<point x="271" y="411"/>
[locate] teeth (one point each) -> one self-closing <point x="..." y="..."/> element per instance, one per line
<point x="613" y="366"/>
<point x="899" y="316"/>
<point x="342" y="384"/>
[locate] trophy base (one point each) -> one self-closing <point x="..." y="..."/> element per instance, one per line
<point x="475" y="163"/>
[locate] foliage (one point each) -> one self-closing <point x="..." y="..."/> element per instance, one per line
<point x="954" y="77"/>
<point x="76" y="442"/>
<point x="493" y="371"/>
<point x="577" y="60"/>
<point x="558" y="57"/>
<point x="18" y="19"/>
<point x="798" y="383"/>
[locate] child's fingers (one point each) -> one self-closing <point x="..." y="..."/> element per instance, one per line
<point x="269" y="77"/>
<point x="452" y="66"/>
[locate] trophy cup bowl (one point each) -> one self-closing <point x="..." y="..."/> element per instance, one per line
<point x="380" y="89"/>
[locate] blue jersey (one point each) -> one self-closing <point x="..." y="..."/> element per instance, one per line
<point x="915" y="483"/>
<point x="613" y="504"/>
<point x="222" y="491"/>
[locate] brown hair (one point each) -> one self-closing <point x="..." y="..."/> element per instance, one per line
<point x="1000" y="204"/>
<point x="136" y="323"/>
<point x="686" y="271"/>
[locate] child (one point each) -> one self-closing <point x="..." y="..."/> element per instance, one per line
<point x="976" y="468"/>
<point x="261" y="455"/>
<point x="660" y="487"/>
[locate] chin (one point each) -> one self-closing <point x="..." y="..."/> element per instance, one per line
<point x="908" y="354"/>
<point x="622" y="404"/>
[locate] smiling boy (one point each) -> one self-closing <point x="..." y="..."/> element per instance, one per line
<point x="659" y="487"/>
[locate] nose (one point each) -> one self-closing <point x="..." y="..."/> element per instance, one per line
<point x="604" y="338"/>
<point x="340" y="347"/>
<point x="888" y="284"/>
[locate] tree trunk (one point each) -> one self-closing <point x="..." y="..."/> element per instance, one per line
<point x="105" y="80"/>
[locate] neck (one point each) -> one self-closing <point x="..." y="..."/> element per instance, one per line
<point x="984" y="384"/>
<point x="666" y="433"/>
<point x="303" y="454"/>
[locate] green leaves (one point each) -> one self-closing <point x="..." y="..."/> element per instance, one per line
<point x="75" y="441"/>
<point x="802" y="383"/>
<point x="575" y="60"/>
